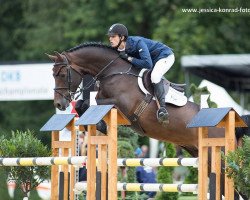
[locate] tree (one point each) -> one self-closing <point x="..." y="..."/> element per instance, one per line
<point x="11" y="20"/>
<point x="26" y="115"/>
<point x="238" y="163"/>
<point x="24" y="144"/>
<point x="125" y="149"/>
<point x="203" y="33"/>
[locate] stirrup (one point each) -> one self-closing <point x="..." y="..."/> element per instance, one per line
<point x="163" y="116"/>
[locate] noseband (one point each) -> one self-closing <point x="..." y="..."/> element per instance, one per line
<point x="69" y="69"/>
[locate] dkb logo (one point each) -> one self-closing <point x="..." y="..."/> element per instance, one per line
<point x="10" y="76"/>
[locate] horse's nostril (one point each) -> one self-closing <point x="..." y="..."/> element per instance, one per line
<point x="58" y="105"/>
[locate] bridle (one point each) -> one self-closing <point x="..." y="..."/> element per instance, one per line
<point x="69" y="69"/>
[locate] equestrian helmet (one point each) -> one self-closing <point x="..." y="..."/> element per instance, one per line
<point x="118" y="29"/>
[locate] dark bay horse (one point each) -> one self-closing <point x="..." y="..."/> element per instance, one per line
<point x="118" y="85"/>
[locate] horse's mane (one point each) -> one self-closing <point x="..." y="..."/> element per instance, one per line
<point x="91" y="44"/>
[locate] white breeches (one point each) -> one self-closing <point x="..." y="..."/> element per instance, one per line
<point x="161" y="67"/>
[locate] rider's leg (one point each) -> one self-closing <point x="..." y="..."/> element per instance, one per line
<point x="160" y="68"/>
<point x="159" y="91"/>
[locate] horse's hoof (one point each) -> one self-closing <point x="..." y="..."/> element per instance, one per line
<point x="163" y="116"/>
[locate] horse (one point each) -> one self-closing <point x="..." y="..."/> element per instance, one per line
<point x="117" y="81"/>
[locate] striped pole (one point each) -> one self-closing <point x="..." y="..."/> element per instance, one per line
<point x="135" y="187"/>
<point x="43" y="161"/>
<point x="81" y="160"/>
<point x="155" y="162"/>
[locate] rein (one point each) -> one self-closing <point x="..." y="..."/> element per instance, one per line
<point x="97" y="77"/>
<point x="69" y="78"/>
<point x="94" y="79"/>
<point x="122" y="73"/>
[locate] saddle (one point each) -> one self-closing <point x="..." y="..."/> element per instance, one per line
<point x="174" y="95"/>
<point x="174" y="92"/>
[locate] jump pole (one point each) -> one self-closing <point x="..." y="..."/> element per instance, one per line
<point x="82" y="160"/>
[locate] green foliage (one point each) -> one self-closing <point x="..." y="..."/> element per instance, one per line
<point x="129" y="135"/>
<point x="192" y="176"/>
<point x="24" y="144"/>
<point x="37" y="27"/>
<point x="202" y="33"/>
<point x="238" y="167"/>
<point x="3" y="185"/>
<point x="164" y="175"/>
<point x="31" y="115"/>
<point x="11" y="20"/>
<point x="126" y="150"/>
<point x="197" y="92"/>
<point x="143" y="140"/>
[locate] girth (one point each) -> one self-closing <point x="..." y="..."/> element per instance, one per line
<point x="134" y="118"/>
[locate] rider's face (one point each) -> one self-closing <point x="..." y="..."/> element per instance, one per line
<point x="114" y="40"/>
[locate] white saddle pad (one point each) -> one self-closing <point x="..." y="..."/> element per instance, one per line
<point x="173" y="96"/>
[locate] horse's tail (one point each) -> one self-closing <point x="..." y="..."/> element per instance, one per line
<point x="241" y="131"/>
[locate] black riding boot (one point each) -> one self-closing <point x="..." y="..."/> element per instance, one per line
<point x="162" y="113"/>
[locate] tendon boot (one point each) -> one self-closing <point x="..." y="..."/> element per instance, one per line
<point x="162" y="113"/>
<point x="102" y="127"/>
<point x="81" y="106"/>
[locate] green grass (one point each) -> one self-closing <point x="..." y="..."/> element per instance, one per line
<point x="188" y="198"/>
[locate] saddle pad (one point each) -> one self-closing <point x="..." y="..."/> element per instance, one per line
<point x="173" y="96"/>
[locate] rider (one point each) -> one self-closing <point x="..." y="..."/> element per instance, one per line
<point x="145" y="53"/>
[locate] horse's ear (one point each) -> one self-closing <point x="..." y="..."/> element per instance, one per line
<point x="59" y="55"/>
<point x="53" y="58"/>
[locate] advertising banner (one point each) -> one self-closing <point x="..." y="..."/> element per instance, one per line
<point x="26" y="82"/>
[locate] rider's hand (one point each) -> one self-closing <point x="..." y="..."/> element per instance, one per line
<point x="123" y="55"/>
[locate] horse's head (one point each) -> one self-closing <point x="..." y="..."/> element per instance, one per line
<point x="96" y="59"/>
<point x="67" y="80"/>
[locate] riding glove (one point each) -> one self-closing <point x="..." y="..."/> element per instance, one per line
<point x="123" y="55"/>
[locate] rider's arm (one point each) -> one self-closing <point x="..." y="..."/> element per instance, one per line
<point x="145" y="58"/>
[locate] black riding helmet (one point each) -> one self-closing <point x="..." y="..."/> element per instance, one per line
<point x="118" y="29"/>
